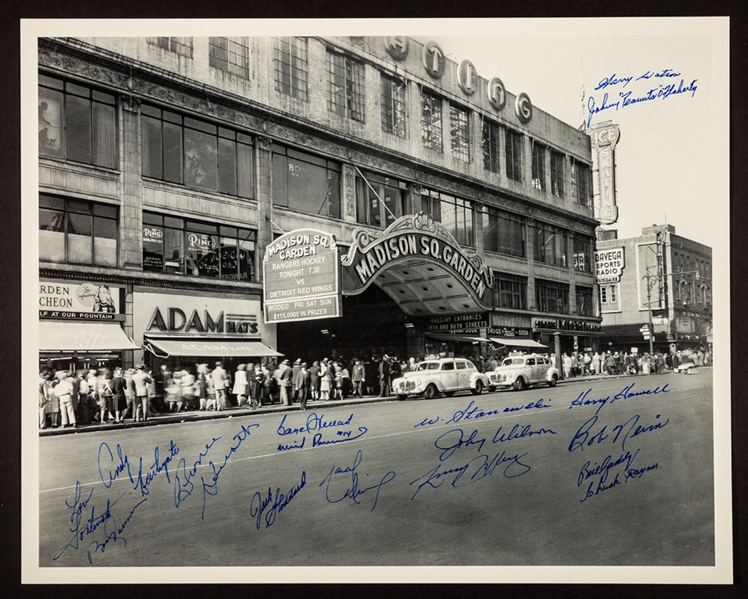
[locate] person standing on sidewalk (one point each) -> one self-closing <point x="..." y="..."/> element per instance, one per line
<point x="285" y="381"/>
<point x="44" y="389"/>
<point x="358" y="376"/>
<point x="64" y="393"/>
<point x="141" y="380"/>
<point x="220" y="381"/>
<point x="119" y="402"/>
<point x="301" y="385"/>
<point x="384" y="376"/>
<point x="256" y="386"/>
<point x="241" y="385"/>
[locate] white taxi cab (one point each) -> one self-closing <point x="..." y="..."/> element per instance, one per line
<point x="520" y="372"/>
<point x="442" y="375"/>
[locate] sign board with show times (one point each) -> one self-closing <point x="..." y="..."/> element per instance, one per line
<point x="301" y="277"/>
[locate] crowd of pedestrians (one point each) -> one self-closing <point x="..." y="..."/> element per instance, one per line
<point x="615" y="363"/>
<point x="72" y="399"/>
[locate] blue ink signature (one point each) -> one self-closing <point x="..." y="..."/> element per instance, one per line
<point x="353" y="491"/>
<point x="606" y="81"/>
<point x="258" y="505"/>
<point x="614" y="80"/>
<point x="473" y="412"/>
<point x="313" y="423"/>
<point x="658" y="74"/>
<point x="624" y="431"/>
<point x="476" y="469"/>
<point x="318" y="441"/>
<point x="183" y="485"/>
<point x="626" y="98"/>
<point x="454" y="439"/>
<point x="593" y="109"/>
<point x="143" y="479"/>
<point x="294" y="445"/>
<point x="112" y="533"/>
<point x="82" y="527"/>
<point x="626" y="393"/>
<point x="603" y="470"/>
<point x="211" y="488"/>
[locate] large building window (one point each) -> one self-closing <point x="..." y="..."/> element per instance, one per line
<point x="379" y="200"/>
<point x="513" y="155"/>
<point x="181" y="246"/>
<point x="229" y="54"/>
<point x="551" y="245"/>
<point x="584" y="301"/>
<point x="551" y="296"/>
<point x="455" y="214"/>
<point x="346" y="92"/>
<point x="393" y="105"/>
<point x="77" y="232"/>
<point x="77" y="123"/>
<point x="557" y="174"/>
<point x="582" y="253"/>
<point x="538" y="166"/>
<point x="292" y="67"/>
<point x="305" y="182"/>
<point x="431" y="121"/>
<point x="196" y="153"/>
<point x="503" y="232"/>
<point x="459" y="131"/>
<point x="490" y="146"/>
<point x="581" y="182"/>
<point x="510" y="291"/>
<point x="178" y="45"/>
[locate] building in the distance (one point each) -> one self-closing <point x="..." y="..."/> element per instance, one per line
<point x="654" y="288"/>
<point x="167" y="165"/>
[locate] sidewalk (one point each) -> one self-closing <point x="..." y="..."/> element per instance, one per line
<point x="197" y="416"/>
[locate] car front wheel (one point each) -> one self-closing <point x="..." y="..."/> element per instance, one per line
<point x="430" y="392"/>
<point x="553" y="381"/>
<point x="519" y="384"/>
<point x="478" y="388"/>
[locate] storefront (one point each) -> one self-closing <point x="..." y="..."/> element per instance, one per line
<point x="182" y="330"/>
<point x="575" y="335"/>
<point x="80" y="325"/>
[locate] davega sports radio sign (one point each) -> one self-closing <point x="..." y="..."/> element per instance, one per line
<point x="609" y="265"/>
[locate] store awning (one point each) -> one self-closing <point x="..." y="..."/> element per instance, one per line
<point x="454" y="338"/>
<point x="197" y="347"/>
<point x="82" y="336"/>
<point x="514" y="342"/>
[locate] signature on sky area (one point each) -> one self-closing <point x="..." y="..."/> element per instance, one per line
<point x="647" y="87"/>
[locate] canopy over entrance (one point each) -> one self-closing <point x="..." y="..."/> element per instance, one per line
<point x="201" y="347"/>
<point x="78" y="336"/>
<point x="418" y="263"/>
<point x="513" y="342"/>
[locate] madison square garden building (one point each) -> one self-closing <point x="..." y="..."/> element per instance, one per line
<point x="461" y="215"/>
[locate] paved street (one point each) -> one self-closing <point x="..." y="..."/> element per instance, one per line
<point x="501" y="478"/>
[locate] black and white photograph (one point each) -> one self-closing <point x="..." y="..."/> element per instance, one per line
<point x="406" y="300"/>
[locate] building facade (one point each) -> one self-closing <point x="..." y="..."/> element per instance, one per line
<point x="168" y="165"/>
<point x="664" y="290"/>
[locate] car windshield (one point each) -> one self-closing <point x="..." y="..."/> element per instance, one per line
<point x="513" y="362"/>
<point x="428" y="366"/>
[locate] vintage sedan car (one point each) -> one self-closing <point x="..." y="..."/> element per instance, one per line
<point x="443" y="375"/>
<point x="520" y="372"/>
